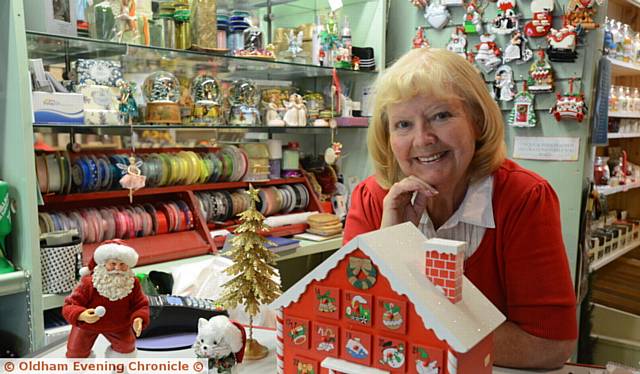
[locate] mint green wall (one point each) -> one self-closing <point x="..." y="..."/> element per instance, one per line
<point x="567" y="178"/>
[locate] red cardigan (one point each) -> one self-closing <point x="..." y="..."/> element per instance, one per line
<point x="120" y="313"/>
<point x="521" y="264"/>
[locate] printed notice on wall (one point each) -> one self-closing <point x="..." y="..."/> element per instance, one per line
<point x="546" y="148"/>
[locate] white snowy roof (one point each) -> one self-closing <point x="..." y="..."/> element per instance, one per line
<point x="398" y="253"/>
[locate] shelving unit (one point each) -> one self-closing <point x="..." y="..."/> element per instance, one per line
<point x="613" y="256"/>
<point x="17" y="45"/>
<point x="632" y="115"/>
<point x="610" y="190"/>
<point x="621" y="68"/>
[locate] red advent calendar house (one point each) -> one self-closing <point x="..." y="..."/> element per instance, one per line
<point x="390" y="301"/>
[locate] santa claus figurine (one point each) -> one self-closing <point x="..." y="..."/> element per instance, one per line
<point x="109" y="302"/>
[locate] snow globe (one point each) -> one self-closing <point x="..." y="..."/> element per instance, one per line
<point x="162" y="92"/>
<point x="205" y="91"/>
<point x="243" y="100"/>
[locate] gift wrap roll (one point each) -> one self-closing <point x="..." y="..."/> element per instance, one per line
<point x="204" y="24"/>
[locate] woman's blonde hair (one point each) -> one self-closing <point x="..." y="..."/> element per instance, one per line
<point x="435" y="73"/>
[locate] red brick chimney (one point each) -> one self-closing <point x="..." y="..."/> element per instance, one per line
<point x="444" y="266"/>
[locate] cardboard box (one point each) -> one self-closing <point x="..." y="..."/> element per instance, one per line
<point x="56" y="107"/>
<point x="51" y="16"/>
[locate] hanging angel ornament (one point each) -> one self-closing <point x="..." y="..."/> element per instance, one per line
<point x="472" y="21"/>
<point x="419" y="40"/>
<point x="523" y="112"/>
<point x="542" y="18"/>
<point x="437" y="15"/>
<point x="506" y="21"/>
<point x="133" y="180"/>
<point x="569" y="106"/>
<point x="488" y="56"/>
<point x="517" y="49"/>
<point x="562" y="44"/>
<point x="540" y="75"/>
<point x="504" y="88"/>
<point x="580" y="14"/>
<point x="458" y="42"/>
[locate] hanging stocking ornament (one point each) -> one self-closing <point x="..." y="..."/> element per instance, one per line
<point x="517" y="50"/>
<point x="437" y="15"/>
<point x="506" y="21"/>
<point x="569" y="106"/>
<point x="503" y="85"/>
<point x="523" y="112"/>
<point x="542" y="17"/>
<point x="458" y="42"/>
<point x="562" y="44"/>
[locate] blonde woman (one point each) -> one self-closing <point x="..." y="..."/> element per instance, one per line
<point x="437" y="144"/>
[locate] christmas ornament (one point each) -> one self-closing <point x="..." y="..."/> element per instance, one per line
<point x="517" y="50"/>
<point x="252" y="271"/>
<point x="222" y="342"/>
<point x="369" y="274"/>
<point x="580" y="13"/>
<point x="540" y="75"/>
<point x="503" y="85"/>
<point x="419" y="40"/>
<point x="472" y="20"/>
<point x="488" y="56"/>
<point x="329" y="40"/>
<point x="523" y="112"/>
<point x="243" y="97"/>
<point x="562" y="44"/>
<point x="420" y="4"/>
<point x="506" y="21"/>
<point x="133" y="180"/>
<point x="569" y="106"/>
<point x="437" y="15"/>
<point x="458" y="42"/>
<point x="206" y="94"/>
<point x="128" y="107"/>
<point x="295" y="43"/>
<point x="542" y="18"/>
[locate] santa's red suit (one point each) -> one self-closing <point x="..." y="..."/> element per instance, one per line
<point x="115" y="325"/>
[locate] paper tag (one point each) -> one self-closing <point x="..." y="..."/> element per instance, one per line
<point x="546" y="148"/>
<point x="335" y="4"/>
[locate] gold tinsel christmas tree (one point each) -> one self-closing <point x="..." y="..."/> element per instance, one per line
<point x="252" y="271"/>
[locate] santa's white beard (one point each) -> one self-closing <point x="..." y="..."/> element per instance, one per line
<point x="115" y="284"/>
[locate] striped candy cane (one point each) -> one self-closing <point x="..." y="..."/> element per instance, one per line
<point x="280" y="341"/>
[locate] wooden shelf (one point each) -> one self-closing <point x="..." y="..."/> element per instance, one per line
<point x="12" y="283"/>
<point x="623" y="135"/>
<point x="613" y="255"/>
<point x="620" y="68"/>
<point x="100" y="195"/>
<point x="624" y="115"/>
<point x="610" y="190"/>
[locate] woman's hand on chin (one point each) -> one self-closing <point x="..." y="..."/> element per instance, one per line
<point x="397" y="206"/>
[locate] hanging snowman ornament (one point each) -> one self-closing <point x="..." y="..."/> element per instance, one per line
<point x="472" y="21"/>
<point x="523" y="112"/>
<point x="488" y="56"/>
<point x="506" y="21"/>
<point x="437" y="15"/>
<point x="458" y="42"/>
<point x="540" y="75"/>
<point x="541" y="18"/>
<point x="503" y="85"/>
<point x="569" y="106"/>
<point x="562" y="44"/>
<point x="517" y="49"/>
